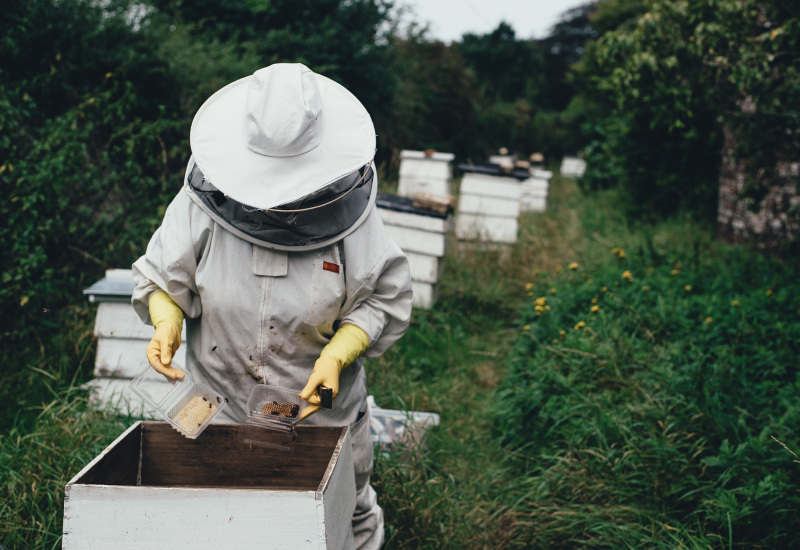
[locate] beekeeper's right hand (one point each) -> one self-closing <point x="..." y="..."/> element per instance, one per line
<point x="167" y="318"/>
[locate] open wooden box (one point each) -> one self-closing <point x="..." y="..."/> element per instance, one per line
<point x="153" y="488"/>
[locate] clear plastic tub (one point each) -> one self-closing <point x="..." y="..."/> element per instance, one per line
<point x="272" y="413"/>
<point x="186" y="405"/>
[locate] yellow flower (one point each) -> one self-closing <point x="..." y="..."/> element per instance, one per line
<point x="562" y="332"/>
<point x="769" y="292"/>
<point x="708" y="320"/>
<point x="538" y="308"/>
<point x="526" y="327"/>
<point x="594" y="300"/>
<point x="674" y="272"/>
<point x="573" y="265"/>
<point x="588" y="281"/>
<point x="528" y="286"/>
<point x="540" y="301"/>
<point x="595" y="309"/>
<point x="603" y="289"/>
<point x="687" y="288"/>
<point x="580" y="325"/>
<point x="621" y="254"/>
<point x="627" y="275"/>
<point x="530" y="293"/>
<point x="645" y="288"/>
<point x="553" y="291"/>
<point x="678" y="265"/>
<point x="555" y="340"/>
<point x="735" y="303"/>
<point x="547" y="308"/>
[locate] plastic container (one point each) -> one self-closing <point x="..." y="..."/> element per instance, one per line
<point x="186" y="405"/>
<point x="272" y="413"/>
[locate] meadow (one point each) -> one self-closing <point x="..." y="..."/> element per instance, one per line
<point x="600" y="385"/>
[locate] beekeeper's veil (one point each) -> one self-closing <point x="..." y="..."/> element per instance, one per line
<point x="283" y="158"/>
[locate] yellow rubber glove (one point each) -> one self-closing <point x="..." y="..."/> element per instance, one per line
<point x="346" y="346"/>
<point x="167" y="319"/>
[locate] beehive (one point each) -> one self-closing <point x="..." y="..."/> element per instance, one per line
<point x="422" y="235"/>
<point x="424" y="172"/>
<point x="535" y="190"/>
<point x="122" y="339"/>
<point x="488" y="208"/>
<point x="153" y="488"/>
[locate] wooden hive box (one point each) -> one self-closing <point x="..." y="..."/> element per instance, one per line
<point x="424" y="172"/>
<point x="488" y="208"/>
<point x="153" y="488"/>
<point x="572" y="167"/>
<point x="422" y="234"/>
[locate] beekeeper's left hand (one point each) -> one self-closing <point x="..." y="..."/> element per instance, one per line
<point x="346" y="346"/>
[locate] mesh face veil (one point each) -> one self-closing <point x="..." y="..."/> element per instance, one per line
<point x="313" y="221"/>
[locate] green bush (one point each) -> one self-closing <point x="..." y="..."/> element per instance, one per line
<point x="656" y="389"/>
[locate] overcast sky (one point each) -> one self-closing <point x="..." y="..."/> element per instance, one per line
<point x="450" y="19"/>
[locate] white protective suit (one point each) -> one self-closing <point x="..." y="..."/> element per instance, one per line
<point x="257" y="315"/>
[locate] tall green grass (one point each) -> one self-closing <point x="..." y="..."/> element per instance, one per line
<point x="663" y="419"/>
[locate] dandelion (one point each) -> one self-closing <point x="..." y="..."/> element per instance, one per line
<point x="562" y="332"/>
<point x="603" y="289"/>
<point x="674" y="272"/>
<point x="538" y="308"/>
<point x="618" y="252"/>
<point x="687" y="288"/>
<point x="627" y="275"/>
<point x="579" y="325"/>
<point x="540" y="301"/>
<point x="621" y="254"/>
<point x="588" y="281"/>
<point x="735" y="303"/>
<point x="528" y="286"/>
<point x="547" y="308"/>
<point x="594" y="300"/>
<point x="573" y="266"/>
<point x="553" y="291"/>
<point x="526" y="327"/>
<point x="555" y="340"/>
<point x="708" y="320"/>
<point x="678" y="265"/>
<point x="645" y="288"/>
<point x="769" y="292"/>
<point x="595" y="309"/>
<point x="530" y="294"/>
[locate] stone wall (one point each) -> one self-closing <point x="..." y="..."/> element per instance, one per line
<point x="771" y="225"/>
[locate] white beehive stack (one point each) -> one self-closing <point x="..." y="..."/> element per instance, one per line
<point x="427" y="172"/>
<point x="488" y="207"/>
<point x="422" y="234"/>
<point x="534" y="191"/>
<point x="122" y="339"/>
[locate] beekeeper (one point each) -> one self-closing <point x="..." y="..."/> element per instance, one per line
<point x="275" y="254"/>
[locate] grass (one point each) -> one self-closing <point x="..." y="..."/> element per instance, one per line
<point x="648" y="426"/>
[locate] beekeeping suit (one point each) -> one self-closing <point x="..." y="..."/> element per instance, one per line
<point x="274" y="246"/>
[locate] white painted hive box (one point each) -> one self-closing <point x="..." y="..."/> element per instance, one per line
<point x="573" y="167"/>
<point x="534" y="193"/>
<point x="422" y="172"/>
<point x="488" y="208"/>
<point x="152" y="488"/>
<point x="122" y="339"/>
<point x="423" y="236"/>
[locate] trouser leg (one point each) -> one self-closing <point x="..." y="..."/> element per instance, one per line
<point x="368" y="516"/>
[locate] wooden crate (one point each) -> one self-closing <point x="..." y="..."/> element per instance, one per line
<point x="153" y="488"/>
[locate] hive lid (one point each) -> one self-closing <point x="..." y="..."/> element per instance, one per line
<point x="186" y="405"/>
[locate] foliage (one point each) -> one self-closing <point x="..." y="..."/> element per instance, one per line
<point x="651" y="388"/>
<point x="670" y="79"/>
